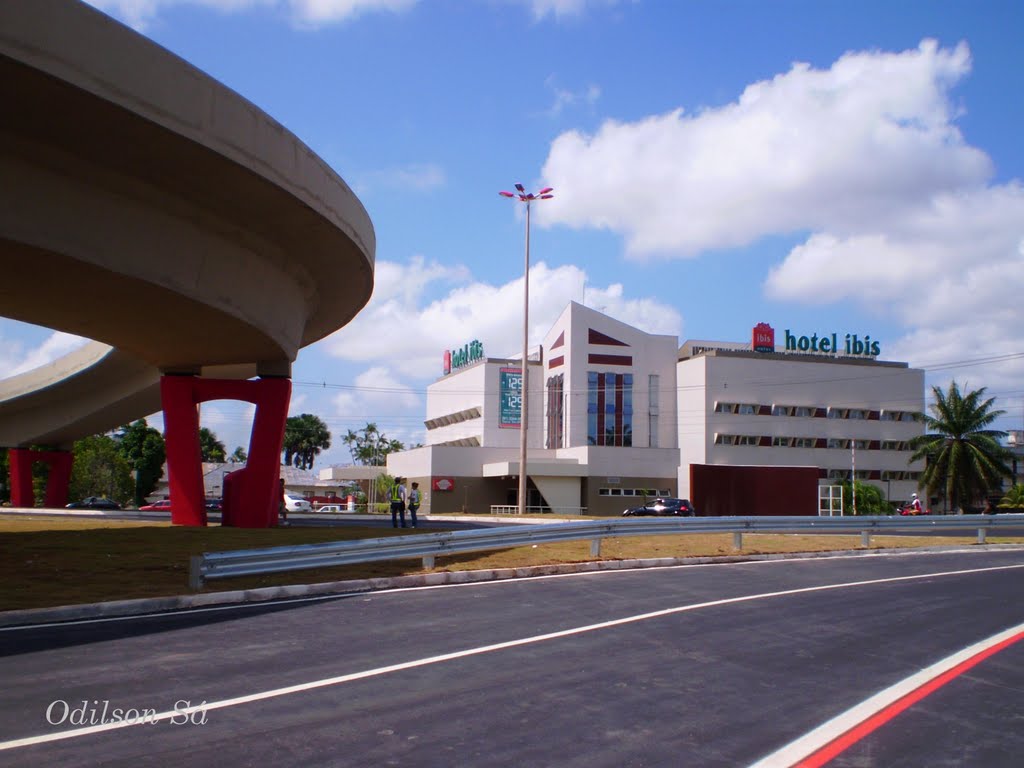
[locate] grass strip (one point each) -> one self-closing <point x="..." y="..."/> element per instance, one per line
<point x="46" y="562"/>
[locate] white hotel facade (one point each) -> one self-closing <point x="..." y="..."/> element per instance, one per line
<point x="617" y="414"/>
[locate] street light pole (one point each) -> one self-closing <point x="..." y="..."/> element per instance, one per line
<point x="525" y="197"/>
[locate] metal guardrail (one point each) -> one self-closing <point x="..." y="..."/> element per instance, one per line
<point x="248" y="562"/>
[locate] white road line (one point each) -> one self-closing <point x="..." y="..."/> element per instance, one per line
<point x="827" y="732"/>
<point x="331" y="681"/>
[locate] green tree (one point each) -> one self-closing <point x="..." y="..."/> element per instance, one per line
<point x="238" y="456"/>
<point x="305" y="436"/>
<point x="964" y="457"/>
<point x="143" y="447"/>
<point x="1014" y="498"/>
<point x="210" y="448"/>
<point x="370" y="447"/>
<point x="870" y="499"/>
<point x="100" y="469"/>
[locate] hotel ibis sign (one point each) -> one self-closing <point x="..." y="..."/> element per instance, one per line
<point x="460" y="358"/>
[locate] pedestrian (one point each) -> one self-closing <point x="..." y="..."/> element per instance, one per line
<point x="414" y="502"/>
<point x="397" y="502"/>
<point x="282" y="507"/>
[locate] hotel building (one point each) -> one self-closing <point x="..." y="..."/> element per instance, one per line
<point x="617" y="415"/>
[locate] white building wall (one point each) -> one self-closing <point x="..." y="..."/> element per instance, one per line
<point x="692" y="400"/>
<point x="769" y="381"/>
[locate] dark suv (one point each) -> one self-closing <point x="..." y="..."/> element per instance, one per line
<point x="666" y="506"/>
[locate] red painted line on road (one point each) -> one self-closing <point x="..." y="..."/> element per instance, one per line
<point x="839" y="745"/>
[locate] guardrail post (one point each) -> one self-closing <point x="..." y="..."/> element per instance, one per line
<point x="595" y="547"/>
<point x="428" y="562"/>
<point x="865" y="538"/>
<point x="195" y="573"/>
<point x="981" y="535"/>
<point x="737" y="541"/>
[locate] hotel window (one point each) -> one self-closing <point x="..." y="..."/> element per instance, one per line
<point x="803" y="442"/>
<point x="803" y="410"/>
<point x="837" y="413"/>
<point x="654" y="389"/>
<point x="556" y="415"/>
<point x="746" y="409"/>
<point x="835" y="442"/>
<point x="725" y="407"/>
<point x="857" y="413"/>
<point x="893" y="445"/>
<point x="748" y="440"/>
<point x="782" y="442"/>
<point x="782" y="410"/>
<point x="610" y="409"/>
<point x="724" y="439"/>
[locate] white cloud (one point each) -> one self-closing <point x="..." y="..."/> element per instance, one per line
<point x="838" y="149"/>
<point x="306" y="13"/>
<point x="562" y="9"/>
<point x="398" y="329"/>
<point x="16" y="359"/>
<point x="564" y="99"/>
<point x="416" y="177"/>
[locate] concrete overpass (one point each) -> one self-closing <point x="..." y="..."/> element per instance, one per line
<point x="150" y="208"/>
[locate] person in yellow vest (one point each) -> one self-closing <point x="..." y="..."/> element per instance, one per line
<point x="397" y="502"/>
<point x="414" y="502"/>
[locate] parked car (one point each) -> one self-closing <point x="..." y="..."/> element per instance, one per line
<point x="297" y="503"/>
<point x="334" y="509"/>
<point x="164" y="505"/>
<point x="94" y="502"/>
<point x="663" y="506"/>
<point x="214" y="505"/>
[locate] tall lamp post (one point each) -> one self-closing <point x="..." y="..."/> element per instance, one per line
<point x="525" y="197"/>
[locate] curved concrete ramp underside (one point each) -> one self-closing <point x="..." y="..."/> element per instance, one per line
<point x="148" y="207"/>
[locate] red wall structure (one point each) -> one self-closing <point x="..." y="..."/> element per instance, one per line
<point x="21" y="461"/>
<point x="720" y="490"/>
<point x="251" y="494"/>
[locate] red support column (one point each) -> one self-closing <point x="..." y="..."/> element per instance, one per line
<point x="251" y="493"/>
<point x="184" y="461"/>
<point x="22" y="494"/>
<point x="22" y="460"/>
<point x="60" y="478"/>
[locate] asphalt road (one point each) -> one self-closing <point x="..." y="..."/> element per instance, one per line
<point x="714" y="665"/>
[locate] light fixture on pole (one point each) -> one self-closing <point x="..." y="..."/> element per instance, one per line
<point x="525" y="197"/>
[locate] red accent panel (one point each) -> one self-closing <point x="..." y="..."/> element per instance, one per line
<point x="251" y="494"/>
<point x="874" y="415"/>
<point x="559" y="341"/>
<point x="765" y="441"/>
<point x="21" y="461"/>
<point x="555" y="362"/>
<point x="764" y="410"/>
<point x="820" y="413"/>
<point x="610" y="359"/>
<point x="596" y="337"/>
<point x="718" y="489"/>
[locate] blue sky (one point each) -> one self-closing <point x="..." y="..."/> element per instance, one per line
<point x="818" y="165"/>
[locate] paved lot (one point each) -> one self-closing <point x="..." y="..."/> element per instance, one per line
<point x="724" y="665"/>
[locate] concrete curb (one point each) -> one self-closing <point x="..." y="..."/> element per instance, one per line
<point x="118" y="609"/>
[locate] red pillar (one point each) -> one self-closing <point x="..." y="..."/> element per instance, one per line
<point x="22" y="493"/>
<point x="250" y="494"/>
<point x="60" y="478"/>
<point x="184" y="460"/>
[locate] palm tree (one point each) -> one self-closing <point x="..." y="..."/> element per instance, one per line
<point x="304" y="437"/>
<point x="964" y="457"/>
<point x="1014" y="498"/>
